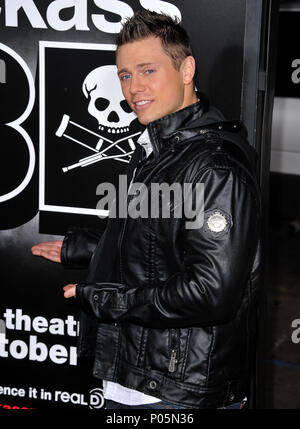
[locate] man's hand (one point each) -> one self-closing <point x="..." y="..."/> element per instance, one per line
<point x="70" y="291"/>
<point x="49" y="250"/>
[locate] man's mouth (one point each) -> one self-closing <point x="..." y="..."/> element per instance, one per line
<point x="142" y="104"/>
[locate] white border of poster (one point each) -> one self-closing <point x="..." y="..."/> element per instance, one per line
<point x="42" y="101"/>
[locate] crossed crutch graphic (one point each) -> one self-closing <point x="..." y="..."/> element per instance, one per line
<point x="99" y="155"/>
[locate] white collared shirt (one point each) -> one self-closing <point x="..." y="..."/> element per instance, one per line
<point x="144" y="140"/>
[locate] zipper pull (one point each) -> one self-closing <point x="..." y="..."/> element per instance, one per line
<point x="173" y="361"/>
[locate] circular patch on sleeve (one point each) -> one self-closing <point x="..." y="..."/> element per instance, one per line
<point x="217" y="222"/>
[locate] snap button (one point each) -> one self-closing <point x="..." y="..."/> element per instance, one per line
<point x="95" y="297"/>
<point x="202" y="131"/>
<point x="231" y="397"/>
<point x="152" y="384"/>
<point x="176" y="139"/>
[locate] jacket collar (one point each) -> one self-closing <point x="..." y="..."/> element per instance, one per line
<point x="163" y="128"/>
<point x="194" y="122"/>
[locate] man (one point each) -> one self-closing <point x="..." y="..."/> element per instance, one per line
<point x="168" y="311"/>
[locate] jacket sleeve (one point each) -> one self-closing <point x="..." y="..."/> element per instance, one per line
<point x="208" y="290"/>
<point x="78" y="247"/>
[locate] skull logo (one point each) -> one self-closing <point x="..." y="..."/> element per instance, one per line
<point x="107" y="104"/>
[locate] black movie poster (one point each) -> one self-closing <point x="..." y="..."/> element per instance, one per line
<point x="87" y="141"/>
<point x="65" y="128"/>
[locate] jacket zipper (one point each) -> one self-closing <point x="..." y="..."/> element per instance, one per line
<point x="134" y="174"/>
<point x="173" y="361"/>
<point x="174" y="346"/>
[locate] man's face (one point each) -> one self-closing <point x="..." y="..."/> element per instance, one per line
<point x="151" y="85"/>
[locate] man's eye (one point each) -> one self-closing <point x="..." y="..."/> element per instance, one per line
<point x="125" y="77"/>
<point x="149" y="71"/>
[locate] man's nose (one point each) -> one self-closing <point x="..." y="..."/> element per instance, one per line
<point x="136" y="84"/>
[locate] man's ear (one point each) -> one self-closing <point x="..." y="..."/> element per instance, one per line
<point x="188" y="68"/>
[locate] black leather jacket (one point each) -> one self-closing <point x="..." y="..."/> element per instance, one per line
<point x="176" y="320"/>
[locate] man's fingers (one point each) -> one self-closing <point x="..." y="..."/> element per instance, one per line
<point x="54" y="255"/>
<point x="69" y="290"/>
<point x="48" y="245"/>
<point x="50" y="250"/>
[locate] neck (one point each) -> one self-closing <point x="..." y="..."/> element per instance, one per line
<point x="190" y="97"/>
